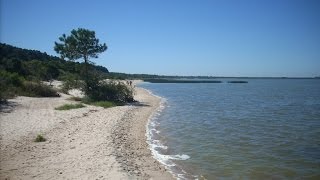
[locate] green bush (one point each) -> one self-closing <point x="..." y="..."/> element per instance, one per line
<point x="37" y="89"/>
<point x="110" y="91"/>
<point x="104" y="104"/>
<point x="40" y="138"/>
<point x="69" y="106"/>
<point x="10" y="84"/>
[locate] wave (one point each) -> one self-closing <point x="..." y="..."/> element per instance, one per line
<point x="156" y="145"/>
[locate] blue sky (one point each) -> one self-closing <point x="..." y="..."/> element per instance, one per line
<point x="171" y="37"/>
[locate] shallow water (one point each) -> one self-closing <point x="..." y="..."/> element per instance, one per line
<point x="266" y="129"/>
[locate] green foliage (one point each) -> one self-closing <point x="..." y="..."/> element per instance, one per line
<point x="37" y="89"/>
<point x="82" y="43"/>
<point x="40" y="138"/>
<point x="69" y="106"/>
<point x="10" y="84"/>
<point x="104" y="104"/>
<point x="110" y="91"/>
<point x="35" y="65"/>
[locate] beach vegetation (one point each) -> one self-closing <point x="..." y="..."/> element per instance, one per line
<point x="101" y="103"/>
<point x="37" y="89"/>
<point x="9" y="84"/>
<point x="111" y="91"/>
<point x="12" y="84"/>
<point x="104" y="104"/>
<point x="80" y="44"/>
<point x="40" y="138"/>
<point x="70" y="106"/>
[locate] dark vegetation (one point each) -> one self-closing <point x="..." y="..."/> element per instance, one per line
<point x="83" y="44"/>
<point x="237" y="81"/>
<point x="104" y="104"/>
<point x="40" y="138"/>
<point x="180" y="81"/>
<point x="69" y="106"/>
<point x="22" y="71"/>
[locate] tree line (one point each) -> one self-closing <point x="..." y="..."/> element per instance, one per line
<point x="23" y="71"/>
<point x="36" y="65"/>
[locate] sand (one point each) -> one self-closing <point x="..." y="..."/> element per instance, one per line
<point x="85" y="143"/>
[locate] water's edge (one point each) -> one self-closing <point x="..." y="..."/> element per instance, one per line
<point x="155" y="145"/>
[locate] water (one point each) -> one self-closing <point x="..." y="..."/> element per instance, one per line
<point x="266" y="129"/>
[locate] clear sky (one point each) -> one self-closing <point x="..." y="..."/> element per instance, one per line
<point x="178" y="37"/>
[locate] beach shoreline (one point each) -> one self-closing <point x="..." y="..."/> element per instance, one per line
<point x="85" y="143"/>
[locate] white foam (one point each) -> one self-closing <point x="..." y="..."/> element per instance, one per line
<point x="179" y="157"/>
<point x="154" y="144"/>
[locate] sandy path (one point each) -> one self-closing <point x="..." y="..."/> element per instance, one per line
<point x="86" y="143"/>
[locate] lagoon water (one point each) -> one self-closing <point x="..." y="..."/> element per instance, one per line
<point x="265" y="129"/>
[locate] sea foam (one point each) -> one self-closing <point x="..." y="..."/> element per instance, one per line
<point x="156" y="146"/>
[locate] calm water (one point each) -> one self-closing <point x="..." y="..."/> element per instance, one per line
<point x="266" y="129"/>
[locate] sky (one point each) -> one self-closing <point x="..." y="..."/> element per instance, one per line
<point x="256" y="38"/>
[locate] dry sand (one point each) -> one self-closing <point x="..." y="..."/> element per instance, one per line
<point x="85" y="143"/>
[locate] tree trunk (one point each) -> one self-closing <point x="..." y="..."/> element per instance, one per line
<point x="86" y="73"/>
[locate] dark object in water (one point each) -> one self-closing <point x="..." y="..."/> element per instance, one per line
<point x="237" y="81"/>
<point x="179" y="81"/>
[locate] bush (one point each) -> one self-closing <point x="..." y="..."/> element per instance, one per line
<point x="37" y="89"/>
<point x="69" y="106"/>
<point x="10" y="84"/>
<point x="105" y="104"/>
<point x="40" y="138"/>
<point x="110" y="91"/>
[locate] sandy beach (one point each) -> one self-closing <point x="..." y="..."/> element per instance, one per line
<point x="85" y="143"/>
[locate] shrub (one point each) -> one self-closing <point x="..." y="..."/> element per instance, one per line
<point x="104" y="104"/>
<point x="37" y="89"/>
<point x="40" y="138"/>
<point x="110" y="91"/>
<point x="10" y="84"/>
<point x="69" y="106"/>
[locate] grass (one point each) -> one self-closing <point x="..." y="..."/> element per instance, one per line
<point x="69" y="106"/>
<point x="104" y="104"/>
<point x="40" y="138"/>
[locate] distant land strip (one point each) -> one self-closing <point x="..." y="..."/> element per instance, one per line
<point x="237" y="81"/>
<point x="180" y="81"/>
